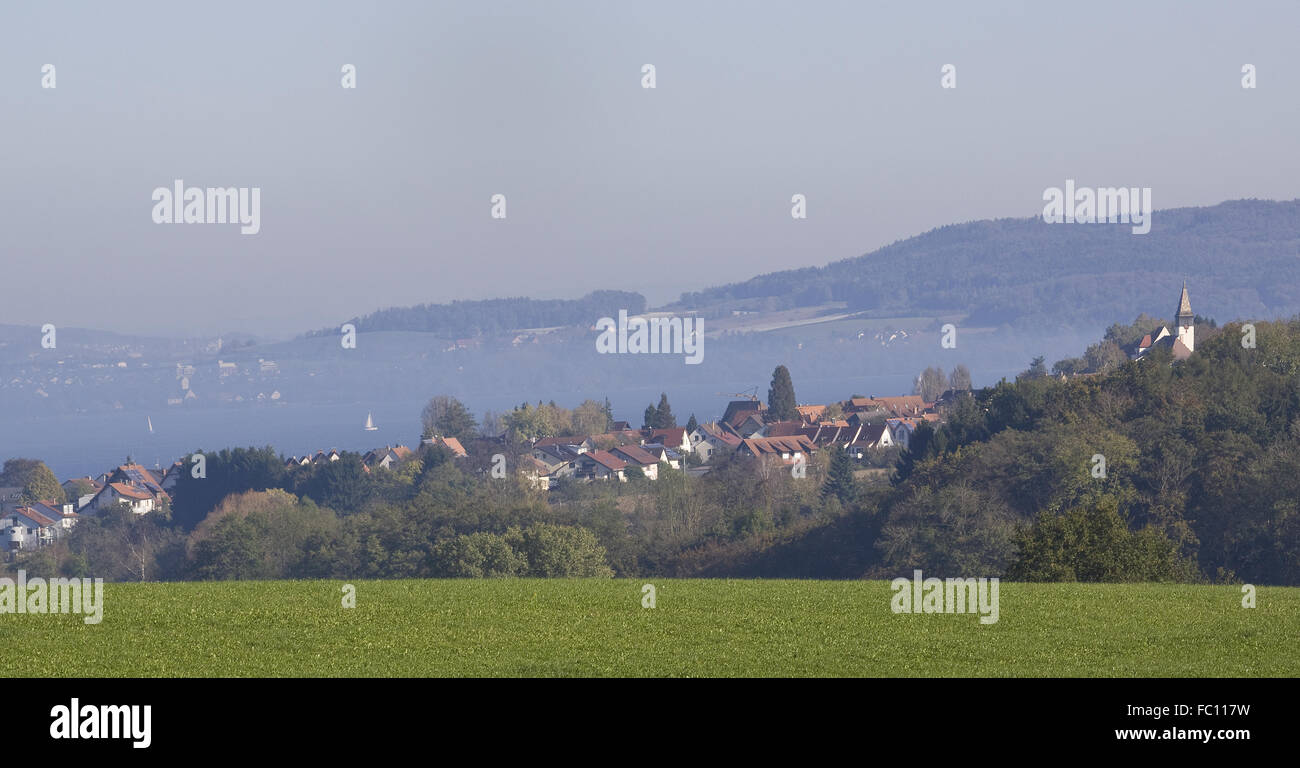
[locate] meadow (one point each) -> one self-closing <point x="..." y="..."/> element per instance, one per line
<point x="698" y="628"/>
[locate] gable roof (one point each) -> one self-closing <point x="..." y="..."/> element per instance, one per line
<point x="131" y="491"/>
<point x="777" y="445"/>
<point x="453" y="444"/>
<point x="670" y="435"/>
<point x="606" y="459"/>
<point x="52" y="510"/>
<point x="872" y="434"/>
<point x="722" y="436"/>
<point x="783" y="428"/>
<point x="738" y="407"/>
<point x="810" y="412"/>
<point x="636" y="454"/>
<point x="137" y="475"/>
<point x="31" y="515"/>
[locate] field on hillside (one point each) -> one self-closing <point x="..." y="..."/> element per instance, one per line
<point x="698" y="628"/>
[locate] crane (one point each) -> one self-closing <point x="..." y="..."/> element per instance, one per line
<point x="747" y="395"/>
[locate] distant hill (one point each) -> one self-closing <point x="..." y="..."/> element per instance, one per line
<point x="1241" y="259"/>
<point x="472" y="318"/>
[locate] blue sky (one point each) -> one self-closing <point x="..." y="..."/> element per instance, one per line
<point x="379" y="196"/>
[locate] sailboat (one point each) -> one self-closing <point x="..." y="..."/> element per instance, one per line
<point x="150" y="420"/>
<point x="370" y="423"/>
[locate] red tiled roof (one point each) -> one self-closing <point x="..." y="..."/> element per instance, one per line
<point x="783" y="428"/>
<point x="810" y="412"/>
<point x="762" y="445"/>
<point x="636" y="454"/>
<point x="36" y="517"/>
<point x="455" y="446"/>
<point x="674" y="435"/>
<point x="607" y="460"/>
<point x="131" y="492"/>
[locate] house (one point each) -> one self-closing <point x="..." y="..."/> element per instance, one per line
<point x="25" y="528"/>
<point x="663" y="454"/>
<point x="601" y="465"/>
<point x="830" y="433"/>
<point x="901" y="430"/>
<point x="579" y="443"/>
<point x="134" y="474"/>
<point x="538" y="473"/>
<point x="387" y="457"/>
<point x="609" y="440"/>
<point x="141" y="500"/>
<point x="738" y="408"/>
<point x="450" y="443"/>
<point x="322" y="457"/>
<point x="635" y="455"/>
<point x="810" y="414"/>
<point x="172" y="476"/>
<point x="672" y="437"/>
<point x="872" y="437"/>
<point x="782" y="429"/>
<point x="558" y="460"/>
<point x="743" y="417"/>
<point x="64" y="515"/>
<point x="709" y="438"/>
<point x="787" y="449"/>
<point x="79" y="500"/>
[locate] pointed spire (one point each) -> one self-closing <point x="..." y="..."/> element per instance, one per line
<point x="1184" y="305"/>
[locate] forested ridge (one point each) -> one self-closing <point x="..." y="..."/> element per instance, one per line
<point x="1241" y="258"/>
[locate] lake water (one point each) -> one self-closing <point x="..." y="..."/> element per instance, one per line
<point x="75" y="446"/>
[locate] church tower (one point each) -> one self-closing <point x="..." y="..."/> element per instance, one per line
<point x="1186" y="327"/>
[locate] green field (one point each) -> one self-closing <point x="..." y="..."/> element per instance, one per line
<point x="698" y="628"/>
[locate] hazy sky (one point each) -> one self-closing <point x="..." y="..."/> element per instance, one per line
<point x="379" y="196"/>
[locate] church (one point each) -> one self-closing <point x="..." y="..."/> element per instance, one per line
<point x="1181" y="345"/>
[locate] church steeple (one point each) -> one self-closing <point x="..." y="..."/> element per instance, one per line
<point x="1186" y="320"/>
<point x="1185" y="315"/>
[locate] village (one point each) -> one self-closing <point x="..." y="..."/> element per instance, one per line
<point x="870" y="430"/>
<point x="862" y="427"/>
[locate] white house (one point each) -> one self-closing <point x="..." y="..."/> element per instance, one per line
<point x="639" y="457"/>
<point x="26" y="528"/>
<point x="708" y="438"/>
<point x="140" y="500"/>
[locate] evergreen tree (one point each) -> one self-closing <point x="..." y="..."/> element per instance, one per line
<point x="839" y="478"/>
<point x="609" y="416"/>
<point x="780" y="398"/>
<point x="692" y="424"/>
<point x="650" y="417"/>
<point x="664" y="418"/>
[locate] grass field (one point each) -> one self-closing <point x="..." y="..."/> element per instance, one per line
<point x="698" y="628"/>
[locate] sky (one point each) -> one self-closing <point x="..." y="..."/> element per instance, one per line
<point x="380" y="195"/>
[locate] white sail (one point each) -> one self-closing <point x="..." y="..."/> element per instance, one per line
<point x="150" y="420"/>
<point x="370" y="423"/>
